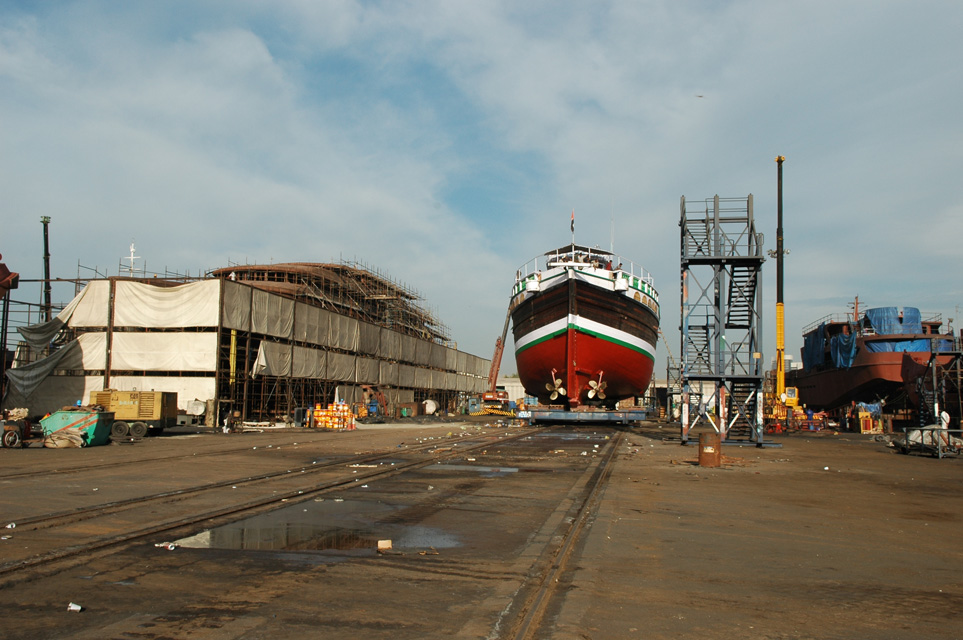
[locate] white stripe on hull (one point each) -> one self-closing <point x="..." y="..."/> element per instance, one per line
<point x="592" y="326"/>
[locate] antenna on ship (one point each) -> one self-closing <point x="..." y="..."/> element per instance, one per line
<point x="131" y="257"/>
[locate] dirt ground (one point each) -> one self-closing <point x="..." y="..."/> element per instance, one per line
<point x="828" y="536"/>
<point x="825" y="536"/>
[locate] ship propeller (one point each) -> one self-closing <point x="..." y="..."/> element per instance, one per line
<point x="555" y="386"/>
<point x="597" y="388"/>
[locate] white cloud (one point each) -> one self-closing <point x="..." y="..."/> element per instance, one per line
<point x="447" y="142"/>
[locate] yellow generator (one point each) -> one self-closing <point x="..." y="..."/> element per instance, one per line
<point x="137" y="412"/>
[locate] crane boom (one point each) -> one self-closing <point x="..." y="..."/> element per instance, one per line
<point x="497" y="356"/>
<point x="665" y="341"/>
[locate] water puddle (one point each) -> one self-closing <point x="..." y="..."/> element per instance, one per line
<point x="323" y="525"/>
<point x="469" y="467"/>
<point x="594" y="437"/>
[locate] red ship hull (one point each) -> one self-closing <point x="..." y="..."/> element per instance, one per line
<point x="875" y="356"/>
<point x="585" y="334"/>
<point x="872" y="377"/>
<point x="626" y="372"/>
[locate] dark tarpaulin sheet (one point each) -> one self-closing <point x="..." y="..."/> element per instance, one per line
<point x="887" y="320"/>
<point x="885" y="346"/>
<point x="813" y="354"/>
<point x="842" y="348"/>
<point x="875" y="409"/>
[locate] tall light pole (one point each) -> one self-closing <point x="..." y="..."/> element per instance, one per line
<point x="46" y="268"/>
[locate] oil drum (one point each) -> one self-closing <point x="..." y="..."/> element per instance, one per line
<point x="710" y="450"/>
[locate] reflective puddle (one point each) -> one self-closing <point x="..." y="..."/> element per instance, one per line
<point x="469" y="467"/>
<point x="325" y="524"/>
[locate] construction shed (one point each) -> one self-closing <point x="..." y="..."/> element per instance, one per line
<point x="257" y="342"/>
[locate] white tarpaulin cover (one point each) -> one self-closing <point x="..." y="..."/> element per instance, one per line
<point x="137" y="304"/>
<point x="422" y="378"/>
<point x="341" y="367"/>
<point x="389" y="373"/>
<point x="236" y="306"/>
<point x="438" y="356"/>
<point x="273" y="359"/>
<point x="344" y="332"/>
<point x="182" y="351"/>
<point x="406" y="375"/>
<point x="94" y="348"/>
<point x="311" y="324"/>
<point x="451" y="359"/>
<point x="27" y="378"/>
<point x="368" y="370"/>
<point x="271" y="315"/>
<point x="40" y="335"/>
<point x="349" y="393"/>
<point x="442" y="380"/>
<point x="88" y="351"/>
<point x="408" y="347"/>
<point x="391" y="344"/>
<point x="369" y="338"/>
<point x="54" y="393"/>
<point x="188" y="389"/>
<point x="481" y="366"/>
<point x="308" y="363"/>
<point x="93" y="307"/>
<point x="422" y="352"/>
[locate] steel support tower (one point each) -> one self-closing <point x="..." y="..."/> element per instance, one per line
<point x="721" y="324"/>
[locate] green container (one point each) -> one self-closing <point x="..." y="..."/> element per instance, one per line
<point x="94" y="425"/>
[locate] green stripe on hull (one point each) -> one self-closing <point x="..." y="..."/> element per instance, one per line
<point x="621" y="343"/>
<point x="549" y="336"/>
<point x="594" y="334"/>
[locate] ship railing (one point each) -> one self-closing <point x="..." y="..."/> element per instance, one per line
<point x="842" y="318"/>
<point x="560" y="258"/>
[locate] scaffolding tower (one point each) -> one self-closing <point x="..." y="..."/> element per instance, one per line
<point x="721" y="323"/>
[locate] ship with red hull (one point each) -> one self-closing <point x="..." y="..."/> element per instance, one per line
<point x="585" y="328"/>
<point x="876" y="355"/>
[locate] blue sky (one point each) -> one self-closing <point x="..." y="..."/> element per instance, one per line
<point x="446" y="143"/>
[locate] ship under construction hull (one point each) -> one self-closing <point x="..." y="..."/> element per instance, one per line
<point x="585" y="335"/>
<point x="872" y="356"/>
<point x="878" y="376"/>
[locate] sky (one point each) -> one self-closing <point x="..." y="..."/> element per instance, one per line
<point x="448" y="142"/>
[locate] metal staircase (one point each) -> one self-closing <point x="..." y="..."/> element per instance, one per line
<point x="722" y="318"/>
<point x="742" y="297"/>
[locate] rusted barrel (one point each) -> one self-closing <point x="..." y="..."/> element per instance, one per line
<point x="710" y="450"/>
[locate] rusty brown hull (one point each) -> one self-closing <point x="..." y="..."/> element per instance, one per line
<point x="872" y="377"/>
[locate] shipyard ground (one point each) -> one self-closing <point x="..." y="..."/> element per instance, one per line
<point x="826" y="536"/>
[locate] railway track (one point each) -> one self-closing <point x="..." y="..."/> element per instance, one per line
<point x="524" y="618"/>
<point x="83" y="513"/>
<point x="113" y="464"/>
<point x="110" y="526"/>
<point x="517" y="537"/>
